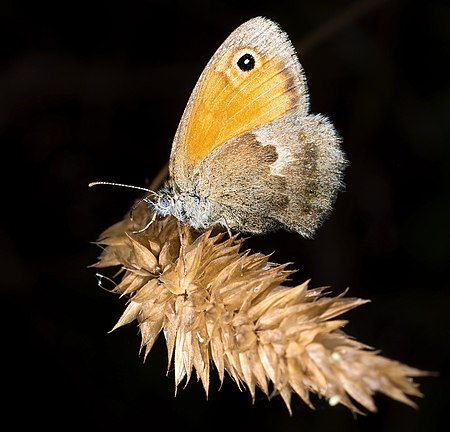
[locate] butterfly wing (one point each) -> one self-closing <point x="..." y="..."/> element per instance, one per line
<point x="246" y="153"/>
<point x="253" y="78"/>
<point x="287" y="176"/>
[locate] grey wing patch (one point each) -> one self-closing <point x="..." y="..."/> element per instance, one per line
<point x="236" y="179"/>
<point x="284" y="174"/>
<point x="312" y="162"/>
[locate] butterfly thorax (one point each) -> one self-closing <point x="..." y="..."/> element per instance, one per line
<point x="186" y="206"/>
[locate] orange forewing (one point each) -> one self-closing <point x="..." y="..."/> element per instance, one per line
<point x="230" y="102"/>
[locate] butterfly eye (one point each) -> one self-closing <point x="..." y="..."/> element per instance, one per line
<point x="246" y="62"/>
<point x="164" y="202"/>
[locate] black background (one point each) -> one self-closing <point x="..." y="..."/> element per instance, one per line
<point x="94" y="91"/>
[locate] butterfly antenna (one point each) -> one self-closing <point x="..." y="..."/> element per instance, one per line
<point x="135" y="205"/>
<point x="121" y="185"/>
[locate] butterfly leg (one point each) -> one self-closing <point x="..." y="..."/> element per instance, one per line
<point x="182" y="252"/>
<point x="146" y="226"/>
<point x="222" y="221"/>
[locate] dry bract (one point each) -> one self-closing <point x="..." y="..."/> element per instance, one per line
<point x="216" y="303"/>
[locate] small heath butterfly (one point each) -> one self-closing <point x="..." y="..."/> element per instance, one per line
<point x="247" y="154"/>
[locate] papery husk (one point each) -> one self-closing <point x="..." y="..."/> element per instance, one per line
<point x="217" y="304"/>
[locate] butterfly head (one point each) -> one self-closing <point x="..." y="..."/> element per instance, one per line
<point x="186" y="207"/>
<point x="163" y="202"/>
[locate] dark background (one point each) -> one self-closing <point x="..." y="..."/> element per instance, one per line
<point x="94" y="91"/>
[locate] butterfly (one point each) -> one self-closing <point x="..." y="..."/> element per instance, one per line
<point x="248" y="155"/>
